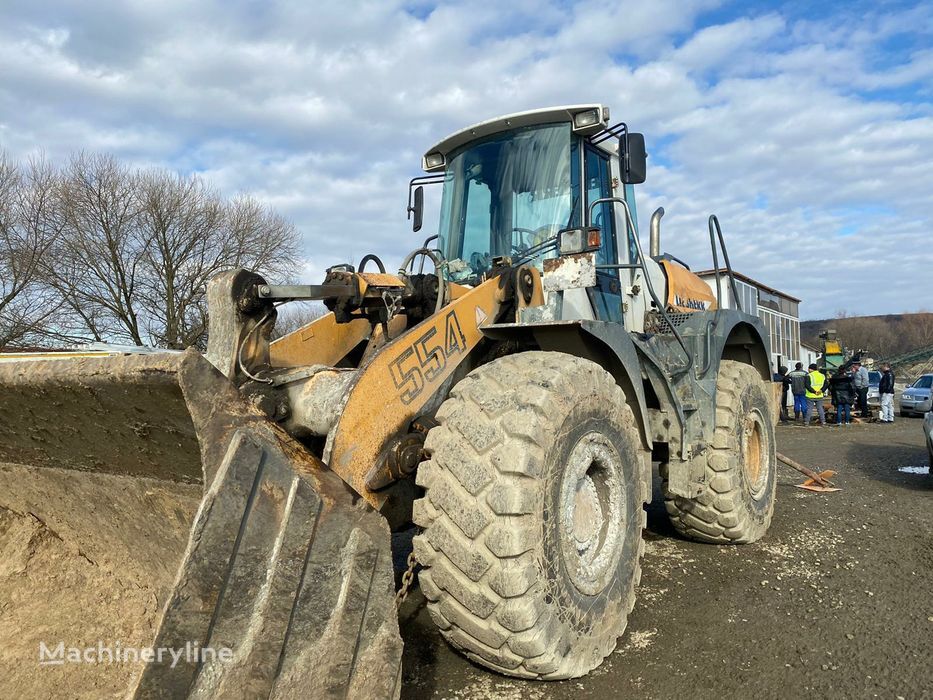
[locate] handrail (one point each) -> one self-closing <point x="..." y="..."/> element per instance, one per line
<point x="630" y="227"/>
<point x="437" y="258"/>
<point x="425" y="245"/>
<point x="714" y="221"/>
<point x="725" y="256"/>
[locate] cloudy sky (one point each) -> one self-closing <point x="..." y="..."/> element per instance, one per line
<point x="807" y="127"/>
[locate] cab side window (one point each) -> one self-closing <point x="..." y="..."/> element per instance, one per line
<point x="599" y="186"/>
<point x="606" y="297"/>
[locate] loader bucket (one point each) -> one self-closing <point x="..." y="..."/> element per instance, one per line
<point x="160" y="538"/>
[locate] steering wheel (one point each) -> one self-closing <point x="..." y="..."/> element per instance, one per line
<point x="536" y="236"/>
<point x="522" y="245"/>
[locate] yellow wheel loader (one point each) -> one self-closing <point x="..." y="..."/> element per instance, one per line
<point x="506" y="391"/>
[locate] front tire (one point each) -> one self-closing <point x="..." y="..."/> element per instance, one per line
<point x="533" y="515"/>
<point x="737" y="502"/>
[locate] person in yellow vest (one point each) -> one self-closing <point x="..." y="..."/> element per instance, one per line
<point x="816" y="384"/>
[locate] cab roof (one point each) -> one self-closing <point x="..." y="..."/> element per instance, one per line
<point x="546" y="115"/>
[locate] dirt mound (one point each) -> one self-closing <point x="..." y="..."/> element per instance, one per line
<point x="50" y="592"/>
<point x="86" y="560"/>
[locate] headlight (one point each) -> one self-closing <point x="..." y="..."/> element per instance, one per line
<point x="906" y="397"/>
<point x="581" y="120"/>
<point x="577" y="240"/>
<point x="433" y="161"/>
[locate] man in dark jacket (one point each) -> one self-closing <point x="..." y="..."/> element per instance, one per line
<point x="843" y="389"/>
<point x="798" y="387"/>
<point x="886" y="391"/>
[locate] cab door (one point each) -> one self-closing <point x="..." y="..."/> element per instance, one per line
<point x="606" y="297"/>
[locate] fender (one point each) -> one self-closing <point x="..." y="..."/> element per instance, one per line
<point x="740" y="337"/>
<point x="606" y="344"/>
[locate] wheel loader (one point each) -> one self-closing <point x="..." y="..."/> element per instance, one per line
<point x="506" y="390"/>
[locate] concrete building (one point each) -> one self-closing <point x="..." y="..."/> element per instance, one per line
<point x="778" y="311"/>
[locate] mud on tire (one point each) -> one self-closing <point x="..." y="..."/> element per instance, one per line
<point x="741" y="469"/>
<point x="533" y="515"/>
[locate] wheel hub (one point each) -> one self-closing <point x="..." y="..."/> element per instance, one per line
<point x="592" y="513"/>
<point x="755" y="455"/>
<point x="587" y="514"/>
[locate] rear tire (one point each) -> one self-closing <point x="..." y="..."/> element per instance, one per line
<point x="737" y="502"/>
<point x="533" y="515"/>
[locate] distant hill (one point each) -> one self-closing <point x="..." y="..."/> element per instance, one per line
<point x="883" y="337"/>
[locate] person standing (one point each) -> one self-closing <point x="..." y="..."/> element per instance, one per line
<point x="844" y="390"/>
<point x="860" y="381"/>
<point x="886" y="390"/>
<point x="798" y="387"/>
<point x="816" y="383"/>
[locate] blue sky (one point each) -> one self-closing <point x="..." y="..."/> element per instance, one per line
<point x="806" y="127"/>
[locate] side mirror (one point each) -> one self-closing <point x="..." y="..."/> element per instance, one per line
<point x="417" y="209"/>
<point x="633" y="159"/>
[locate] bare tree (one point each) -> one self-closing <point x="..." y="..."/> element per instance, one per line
<point x="258" y="238"/>
<point x="139" y="247"/>
<point x="97" y="264"/>
<point x="918" y="329"/>
<point x="869" y="333"/>
<point x="30" y="221"/>
<point x="193" y="236"/>
<point x="181" y="217"/>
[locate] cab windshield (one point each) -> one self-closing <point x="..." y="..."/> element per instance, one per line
<point x="507" y="194"/>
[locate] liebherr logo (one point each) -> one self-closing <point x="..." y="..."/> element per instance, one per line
<point x="116" y="653"/>
<point x="687" y="303"/>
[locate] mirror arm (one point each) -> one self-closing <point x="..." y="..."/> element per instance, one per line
<point x="415" y="206"/>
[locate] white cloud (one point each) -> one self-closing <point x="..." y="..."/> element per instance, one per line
<point x="323" y="110"/>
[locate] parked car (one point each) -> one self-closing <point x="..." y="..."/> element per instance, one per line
<point x="874" y="379"/>
<point x="917" y="397"/>
<point x="928" y="432"/>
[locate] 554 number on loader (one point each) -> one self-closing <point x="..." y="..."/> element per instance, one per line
<point x="509" y="400"/>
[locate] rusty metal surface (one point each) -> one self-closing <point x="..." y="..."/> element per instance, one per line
<point x="244" y="538"/>
<point x="569" y="272"/>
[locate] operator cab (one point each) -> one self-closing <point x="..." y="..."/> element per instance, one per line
<point x="511" y="184"/>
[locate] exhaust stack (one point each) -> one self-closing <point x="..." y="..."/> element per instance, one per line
<point x="654" y="241"/>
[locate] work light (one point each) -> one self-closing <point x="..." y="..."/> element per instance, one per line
<point x="577" y="240"/>
<point x="433" y="161"/>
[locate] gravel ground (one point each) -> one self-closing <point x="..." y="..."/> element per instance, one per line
<point x="836" y="601"/>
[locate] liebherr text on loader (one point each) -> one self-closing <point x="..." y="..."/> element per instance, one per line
<point x="506" y="390"/>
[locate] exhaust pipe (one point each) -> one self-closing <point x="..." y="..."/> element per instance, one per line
<point x="654" y="241"/>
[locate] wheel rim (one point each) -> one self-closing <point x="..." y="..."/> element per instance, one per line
<point x="756" y="454"/>
<point x="592" y="513"/>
